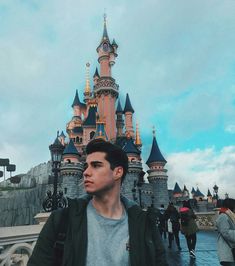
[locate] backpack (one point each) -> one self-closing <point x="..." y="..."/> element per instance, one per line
<point x="184" y="218"/>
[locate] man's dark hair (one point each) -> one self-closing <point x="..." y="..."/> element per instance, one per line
<point x="114" y="154"/>
<point x="229" y="203"/>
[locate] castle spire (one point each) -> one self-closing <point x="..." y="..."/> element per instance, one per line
<point x="137" y="137"/>
<point x="105" y="36"/>
<point x="87" y="91"/>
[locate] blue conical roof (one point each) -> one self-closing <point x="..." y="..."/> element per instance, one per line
<point x="70" y="148"/>
<point x="209" y="193"/>
<point x="130" y="147"/>
<point x="198" y="193"/>
<point x="155" y="154"/>
<point x="91" y="118"/>
<point x="114" y="43"/>
<point x="193" y="190"/>
<point x="128" y="107"/>
<point x="96" y="73"/>
<point x="62" y="134"/>
<point x="119" y="108"/>
<point x="76" y="101"/>
<point x="177" y="188"/>
<point x="105" y="32"/>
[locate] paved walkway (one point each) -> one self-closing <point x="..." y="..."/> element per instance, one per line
<point x="206" y="253"/>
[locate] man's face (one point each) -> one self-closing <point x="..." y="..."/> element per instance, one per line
<point x="98" y="176"/>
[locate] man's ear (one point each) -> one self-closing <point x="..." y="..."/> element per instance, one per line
<point x="118" y="172"/>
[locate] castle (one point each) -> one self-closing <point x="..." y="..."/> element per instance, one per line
<point x="100" y="115"/>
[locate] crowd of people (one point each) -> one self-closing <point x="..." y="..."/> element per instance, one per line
<point x="172" y="221"/>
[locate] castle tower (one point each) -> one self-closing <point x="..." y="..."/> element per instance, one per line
<point x="193" y="191"/>
<point x="105" y="89"/>
<point x="157" y="175"/>
<point x="96" y="76"/>
<point x="71" y="171"/>
<point x="74" y="127"/>
<point x="135" y="170"/>
<point x="185" y="192"/>
<point x="119" y="120"/>
<point x="209" y="196"/>
<point x="177" y="192"/>
<point x="128" y="111"/>
<point x="62" y="138"/>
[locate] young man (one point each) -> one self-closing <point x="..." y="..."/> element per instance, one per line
<point x="103" y="228"/>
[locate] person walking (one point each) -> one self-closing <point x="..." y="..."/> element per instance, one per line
<point x="189" y="227"/>
<point x="173" y="225"/>
<point x="225" y="224"/>
<point x="162" y="221"/>
<point x="103" y="228"/>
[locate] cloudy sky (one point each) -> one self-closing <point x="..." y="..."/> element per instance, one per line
<point x="176" y="60"/>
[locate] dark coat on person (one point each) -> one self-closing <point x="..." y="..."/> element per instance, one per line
<point x="146" y="248"/>
<point x="191" y="226"/>
<point x="172" y="214"/>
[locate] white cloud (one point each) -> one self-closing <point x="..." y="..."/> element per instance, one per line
<point x="204" y="168"/>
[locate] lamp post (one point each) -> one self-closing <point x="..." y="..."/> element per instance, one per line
<point x="216" y="188"/>
<point x="55" y="200"/>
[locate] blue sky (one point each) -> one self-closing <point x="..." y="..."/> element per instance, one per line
<point x="175" y="59"/>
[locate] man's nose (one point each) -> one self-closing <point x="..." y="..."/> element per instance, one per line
<point x="86" y="172"/>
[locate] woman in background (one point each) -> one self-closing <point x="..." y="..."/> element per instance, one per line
<point x="189" y="227"/>
<point x="225" y="224"/>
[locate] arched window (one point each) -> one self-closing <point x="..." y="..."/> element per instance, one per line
<point x="77" y="139"/>
<point x="92" y="134"/>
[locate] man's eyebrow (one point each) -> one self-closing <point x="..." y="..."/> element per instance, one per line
<point x="92" y="163"/>
<point x="96" y="162"/>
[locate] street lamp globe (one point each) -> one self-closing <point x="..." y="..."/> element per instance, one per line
<point x="216" y="188"/>
<point x="56" y="150"/>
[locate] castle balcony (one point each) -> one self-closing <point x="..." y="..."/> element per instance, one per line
<point x="106" y="85"/>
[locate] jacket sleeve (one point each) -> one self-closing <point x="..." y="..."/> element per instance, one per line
<point x="224" y="229"/>
<point x="160" y="253"/>
<point x="44" y="249"/>
<point x="158" y="250"/>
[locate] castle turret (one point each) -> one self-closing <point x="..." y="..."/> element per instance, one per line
<point x="209" y="196"/>
<point x="157" y="175"/>
<point x="119" y="120"/>
<point x="135" y="170"/>
<point x="71" y="170"/>
<point x="177" y="192"/>
<point x="96" y="76"/>
<point x="74" y="127"/>
<point x="106" y="90"/>
<point x="128" y="111"/>
<point x="62" y="138"/>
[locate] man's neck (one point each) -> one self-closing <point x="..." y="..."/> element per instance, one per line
<point x="109" y="206"/>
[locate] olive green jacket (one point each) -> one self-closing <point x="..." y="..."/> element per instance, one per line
<point x="191" y="227"/>
<point x="146" y="248"/>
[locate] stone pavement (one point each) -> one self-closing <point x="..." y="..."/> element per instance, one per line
<point x="206" y="253"/>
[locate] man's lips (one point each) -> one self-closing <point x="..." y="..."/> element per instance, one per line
<point x="87" y="182"/>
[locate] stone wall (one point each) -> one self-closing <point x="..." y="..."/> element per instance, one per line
<point x="18" y="207"/>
